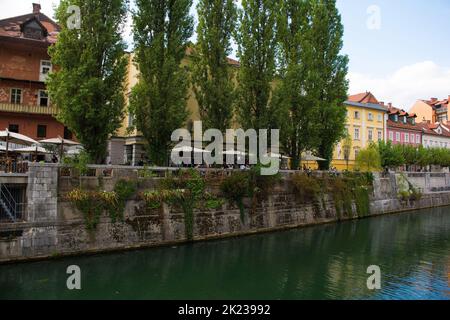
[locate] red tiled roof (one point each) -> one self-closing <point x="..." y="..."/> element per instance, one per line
<point x="434" y="102"/>
<point x="12" y="27"/>
<point x="365" y="97"/>
<point x="404" y="126"/>
<point x="428" y="128"/>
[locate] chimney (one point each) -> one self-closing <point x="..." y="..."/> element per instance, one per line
<point x="381" y="103"/>
<point x="433" y="99"/>
<point x="36" y="8"/>
<point x="390" y="104"/>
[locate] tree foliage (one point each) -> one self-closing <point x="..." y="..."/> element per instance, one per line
<point x="212" y="75"/>
<point x="89" y="84"/>
<point x="329" y="70"/>
<point x="292" y="107"/>
<point x="257" y="48"/>
<point x="161" y="33"/>
<point x="369" y="159"/>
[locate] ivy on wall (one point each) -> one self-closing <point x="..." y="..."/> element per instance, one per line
<point x="93" y="203"/>
<point x="346" y="189"/>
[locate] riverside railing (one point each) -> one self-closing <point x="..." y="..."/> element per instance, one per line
<point x="10" y="166"/>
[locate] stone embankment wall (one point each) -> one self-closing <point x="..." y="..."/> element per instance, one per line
<point x="54" y="228"/>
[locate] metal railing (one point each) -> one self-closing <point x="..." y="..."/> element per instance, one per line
<point x="10" y="209"/>
<point x="22" y="108"/>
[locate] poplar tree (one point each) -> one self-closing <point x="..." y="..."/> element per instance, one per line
<point x="212" y="75"/>
<point x="292" y="108"/>
<point x="329" y="70"/>
<point x="257" y="47"/>
<point x="162" y="29"/>
<point x="88" y="87"/>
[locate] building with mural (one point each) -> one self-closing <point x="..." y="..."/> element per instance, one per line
<point x="25" y="106"/>
<point x="366" y="123"/>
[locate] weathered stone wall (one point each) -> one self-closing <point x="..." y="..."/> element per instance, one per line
<point x="42" y="193"/>
<point x="55" y="228"/>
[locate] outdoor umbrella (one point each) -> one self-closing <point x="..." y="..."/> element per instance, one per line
<point x="17" y="138"/>
<point x="309" y="157"/>
<point x="277" y="156"/>
<point x="34" y="149"/>
<point x="60" y="142"/>
<point x="189" y="149"/>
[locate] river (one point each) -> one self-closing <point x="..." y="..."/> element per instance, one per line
<point x="322" y="262"/>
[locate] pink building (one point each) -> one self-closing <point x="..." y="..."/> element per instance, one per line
<point x="402" y="127"/>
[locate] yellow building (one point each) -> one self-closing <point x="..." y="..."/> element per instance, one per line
<point x="366" y="123"/>
<point x="127" y="147"/>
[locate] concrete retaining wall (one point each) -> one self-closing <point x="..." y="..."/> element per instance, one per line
<point x="54" y="228"/>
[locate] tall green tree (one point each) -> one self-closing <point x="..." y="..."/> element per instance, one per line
<point x="328" y="73"/>
<point x="257" y="48"/>
<point x="212" y="75"/>
<point x="369" y="159"/>
<point x="291" y="106"/>
<point x="89" y="84"/>
<point x="162" y="29"/>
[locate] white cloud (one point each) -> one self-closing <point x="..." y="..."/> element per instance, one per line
<point x="20" y="7"/>
<point x="406" y="85"/>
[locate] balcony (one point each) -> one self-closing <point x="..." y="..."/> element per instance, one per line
<point x="21" y="108"/>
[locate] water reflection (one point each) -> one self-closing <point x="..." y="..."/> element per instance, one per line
<point x="326" y="262"/>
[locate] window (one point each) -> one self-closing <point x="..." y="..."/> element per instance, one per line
<point x="131" y="120"/>
<point x="370" y="116"/>
<point x="13" y="128"/>
<point x="356" y="133"/>
<point x="68" y="134"/>
<point x="406" y="139"/>
<point x="356" y="153"/>
<point x="356" y="114"/>
<point x="396" y="118"/>
<point x="442" y="118"/>
<point x="397" y="136"/>
<point x="380" y="118"/>
<point x="391" y="136"/>
<point x="417" y="138"/>
<point x="41" y="131"/>
<point x="16" y="96"/>
<point x="43" y="98"/>
<point x="380" y="136"/>
<point x="412" y="138"/>
<point x="370" y="135"/>
<point x="46" y="68"/>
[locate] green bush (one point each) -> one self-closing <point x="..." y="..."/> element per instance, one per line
<point x="306" y="188"/>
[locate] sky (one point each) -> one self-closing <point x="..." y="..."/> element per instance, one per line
<point x="398" y="49"/>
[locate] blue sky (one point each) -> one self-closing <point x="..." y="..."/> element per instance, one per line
<point x="405" y="59"/>
<point x="411" y="31"/>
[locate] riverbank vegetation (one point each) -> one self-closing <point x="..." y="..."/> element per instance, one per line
<point x="346" y="191"/>
<point x="387" y="155"/>
<point x="93" y="203"/>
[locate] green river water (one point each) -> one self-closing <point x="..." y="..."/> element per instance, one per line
<point x="323" y="262"/>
